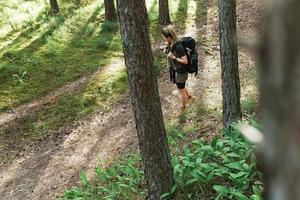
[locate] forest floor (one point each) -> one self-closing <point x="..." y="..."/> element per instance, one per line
<point x="48" y="166"/>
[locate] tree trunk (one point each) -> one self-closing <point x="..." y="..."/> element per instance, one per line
<point x="164" y="17"/>
<point x="144" y="95"/>
<point x="280" y="97"/>
<point x="110" y="11"/>
<point x="229" y="62"/>
<point x="54" y="6"/>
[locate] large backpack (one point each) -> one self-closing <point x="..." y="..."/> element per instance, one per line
<point x="189" y="45"/>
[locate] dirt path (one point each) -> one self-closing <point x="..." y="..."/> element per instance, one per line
<point x="45" y="174"/>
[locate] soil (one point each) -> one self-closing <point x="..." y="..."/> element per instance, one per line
<point x="48" y="166"/>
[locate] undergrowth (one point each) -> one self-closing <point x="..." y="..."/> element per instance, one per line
<point x="225" y="168"/>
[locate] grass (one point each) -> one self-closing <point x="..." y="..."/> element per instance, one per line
<point x="43" y="52"/>
<point x="248" y="106"/>
<point x="55" y="50"/>
<point x="99" y="93"/>
<point x="51" y="51"/>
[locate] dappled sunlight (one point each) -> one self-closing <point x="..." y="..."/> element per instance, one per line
<point x="57" y="49"/>
<point x="15" y="18"/>
<point x="207" y="83"/>
<point x="149" y="4"/>
<point x="17" y="12"/>
<point x="65" y="33"/>
<point x="190" y="25"/>
<point x="115" y="66"/>
<point x="173" y="7"/>
<point x="107" y="85"/>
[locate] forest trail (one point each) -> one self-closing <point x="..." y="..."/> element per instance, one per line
<point x="46" y="173"/>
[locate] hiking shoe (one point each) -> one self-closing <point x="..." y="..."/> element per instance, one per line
<point x="191" y="99"/>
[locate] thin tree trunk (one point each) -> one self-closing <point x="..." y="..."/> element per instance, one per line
<point x="54" y="6"/>
<point x="280" y="98"/>
<point x="110" y="11"/>
<point x="164" y="16"/>
<point x="229" y="62"/>
<point x="144" y="95"/>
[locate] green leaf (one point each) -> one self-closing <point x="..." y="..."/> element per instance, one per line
<point x="173" y="189"/>
<point x="239" y="196"/>
<point x="255" y="197"/>
<point x="233" y="155"/>
<point x="235" y="165"/>
<point x="256" y="190"/>
<point x="165" y="195"/>
<point x="238" y="175"/>
<point x="214" y="142"/>
<point x="220" y="189"/>
<point x="191" y="181"/>
<point x="198" y="161"/>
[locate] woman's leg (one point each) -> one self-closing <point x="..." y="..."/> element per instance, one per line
<point x="187" y="93"/>
<point x="183" y="98"/>
<point x="182" y="95"/>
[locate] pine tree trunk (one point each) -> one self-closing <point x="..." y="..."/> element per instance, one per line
<point x="164" y="17"/>
<point x="145" y="98"/>
<point x="229" y="62"/>
<point x="54" y="6"/>
<point x="110" y="11"/>
<point x="280" y="97"/>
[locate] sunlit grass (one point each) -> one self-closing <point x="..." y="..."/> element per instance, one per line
<point x="58" y="50"/>
<point x="52" y="51"/>
<point x="99" y="93"/>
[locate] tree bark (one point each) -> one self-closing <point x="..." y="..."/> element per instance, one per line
<point x="164" y="16"/>
<point x="229" y="62"/>
<point x="280" y="98"/>
<point x="145" y="98"/>
<point x="110" y="11"/>
<point x="54" y="6"/>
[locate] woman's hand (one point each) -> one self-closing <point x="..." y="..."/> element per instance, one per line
<point x="171" y="55"/>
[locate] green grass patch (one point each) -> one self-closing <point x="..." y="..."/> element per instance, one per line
<point x="105" y="88"/>
<point x="54" y="50"/>
<point x="99" y="93"/>
<point x="248" y="106"/>
<point x="48" y="51"/>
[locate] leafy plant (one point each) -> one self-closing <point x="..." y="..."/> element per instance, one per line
<point x="223" y="169"/>
<point x="119" y="180"/>
<point x="248" y="106"/>
<point x="20" y="77"/>
<point x="109" y="26"/>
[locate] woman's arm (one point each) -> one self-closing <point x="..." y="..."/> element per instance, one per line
<point x="183" y="60"/>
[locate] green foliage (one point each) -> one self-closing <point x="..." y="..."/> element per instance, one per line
<point x="225" y="168"/>
<point x="175" y="134"/>
<point x="248" y="106"/>
<point x="200" y="110"/>
<point x="49" y="51"/>
<point x="20" y="77"/>
<point x="182" y="117"/>
<point x="109" y="26"/>
<point x="100" y="92"/>
<point x="105" y="88"/>
<point x="119" y="180"/>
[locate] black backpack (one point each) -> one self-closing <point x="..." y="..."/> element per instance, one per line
<point x="189" y="45"/>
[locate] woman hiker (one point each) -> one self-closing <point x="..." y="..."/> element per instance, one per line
<point x="177" y="60"/>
